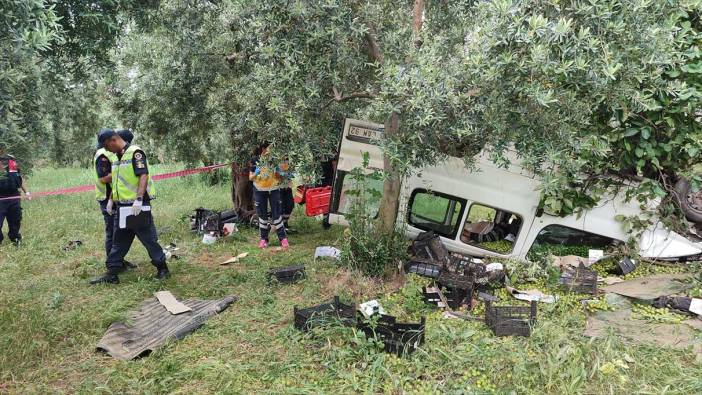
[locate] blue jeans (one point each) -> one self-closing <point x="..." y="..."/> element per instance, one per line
<point x="122" y="241"/>
<point x="263" y="198"/>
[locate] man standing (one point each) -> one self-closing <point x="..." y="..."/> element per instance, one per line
<point x="131" y="187"/>
<point x="10" y="208"/>
<point x="103" y="189"/>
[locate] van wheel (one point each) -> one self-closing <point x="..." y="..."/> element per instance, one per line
<point x="690" y="201"/>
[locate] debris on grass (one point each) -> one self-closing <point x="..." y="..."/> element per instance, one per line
<point x="72" y="245"/>
<point x="371" y="308"/>
<point x="398" y="338"/>
<point x="152" y="326"/>
<point x="171" y="304"/>
<point x="579" y="280"/>
<point x="622" y="321"/>
<point x="325" y="314"/>
<point x="531" y="295"/>
<point x="510" y="320"/>
<point x="287" y="274"/>
<point x="235" y="259"/>
<point x="651" y="287"/>
<point x="327" y="252"/>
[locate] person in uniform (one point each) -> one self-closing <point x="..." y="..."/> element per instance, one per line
<point x="10" y="207"/>
<point x="103" y="189"/>
<point x="132" y="188"/>
<point x="266" y="179"/>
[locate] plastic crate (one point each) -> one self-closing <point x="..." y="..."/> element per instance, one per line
<point x="454" y="297"/>
<point x="324" y="314"/>
<point x="287" y="274"/>
<point x="459" y="289"/>
<point x="579" y="280"/>
<point x="625" y="266"/>
<point x="510" y="320"/>
<point x="317" y="201"/>
<point x="428" y="245"/>
<point x="397" y="338"/>
<point x="299" y="196"/>
<point x="423" y="268"/>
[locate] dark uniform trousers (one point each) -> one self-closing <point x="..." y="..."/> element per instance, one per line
<point x="122" y="241"/>
<point x="109" y="226"/>
<point x="12" y="211"/>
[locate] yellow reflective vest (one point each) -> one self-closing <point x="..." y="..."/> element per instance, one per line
<point x="125" y="182"/>
<point x="101" y="188"/>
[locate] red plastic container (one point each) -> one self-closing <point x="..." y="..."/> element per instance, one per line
<point x="299" y="196"/>
<point x="317" y="201"/>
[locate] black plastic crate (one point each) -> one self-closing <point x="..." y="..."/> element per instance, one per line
<point x="397" y="338"/>
<point x="287" y="274"/>
<point x="459" y="289"/>
<point x="625" y="266"/>
<point x="324" y="314"/>
<point x="208" y="221"/>
<point x="428" y="245"/>
<point x="454" y="297"/>
<point x="510" y="320"/>
<point x="579" y="280"/>
<point x="423" y="268"/>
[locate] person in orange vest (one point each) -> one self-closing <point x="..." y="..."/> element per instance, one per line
<point x="267" y="181"/>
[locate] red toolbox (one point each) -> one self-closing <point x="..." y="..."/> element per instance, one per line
<point x="317" y="201"/>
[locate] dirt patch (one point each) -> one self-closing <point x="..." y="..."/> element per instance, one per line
<point x="361" y="288"/>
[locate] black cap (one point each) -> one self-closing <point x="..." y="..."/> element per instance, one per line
<point x="104" y="135"/>
<point x="126" y="135"/>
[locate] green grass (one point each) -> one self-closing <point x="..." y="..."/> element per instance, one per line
<point x="51" y="320"/>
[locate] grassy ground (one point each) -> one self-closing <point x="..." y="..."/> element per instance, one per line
<point x="51" y="320"/>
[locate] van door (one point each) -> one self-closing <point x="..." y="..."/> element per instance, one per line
<point x="357" y="139"/>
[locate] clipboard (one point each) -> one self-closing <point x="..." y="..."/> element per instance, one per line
<point x="129" y="221"/>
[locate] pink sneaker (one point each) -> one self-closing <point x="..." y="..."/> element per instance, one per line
<point x="284" y="244"/>
<point x="262" y="244"/>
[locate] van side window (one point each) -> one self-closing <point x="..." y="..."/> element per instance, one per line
<point x="343" y="202"/>
<point x="435" y="211"/>
<point x="491" y="229"/>
<point x="561" y="240"/>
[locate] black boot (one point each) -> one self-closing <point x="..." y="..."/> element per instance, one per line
<point x="110" y="277"/>
<point x="162" y="272"/>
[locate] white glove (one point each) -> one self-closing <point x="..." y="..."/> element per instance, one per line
<point x="136" y="207"/>
<point x="109" y="206"/>
<point x="28" y="195"/>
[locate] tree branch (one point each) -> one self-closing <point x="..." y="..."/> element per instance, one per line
<point x="374" y="53"/>
<point x="340" y="97"/>
<point x="418" y="22"/>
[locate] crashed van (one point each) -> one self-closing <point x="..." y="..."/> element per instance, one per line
<point x="493" y="211"/>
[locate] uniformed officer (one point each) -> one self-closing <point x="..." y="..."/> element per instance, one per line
<point x="103" y="190"/>
<point x="10" y="208"/>
<point x="131" y="187"/>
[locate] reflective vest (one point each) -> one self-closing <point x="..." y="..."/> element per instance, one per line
<point x="124" y="182"/>
<point x="100" y="188"/>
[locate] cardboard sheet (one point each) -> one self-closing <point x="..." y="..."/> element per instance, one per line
<point x="171" y="304"/>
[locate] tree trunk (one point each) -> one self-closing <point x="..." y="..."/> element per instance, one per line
<point x="242" y="192"/>
<point x="390" y="201"/>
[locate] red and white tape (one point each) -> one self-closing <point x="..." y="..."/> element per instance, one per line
<point x="87" y="188"/>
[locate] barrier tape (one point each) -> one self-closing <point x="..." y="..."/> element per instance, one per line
<point x="87" y="188"/>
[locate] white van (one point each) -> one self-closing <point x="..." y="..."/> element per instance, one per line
<point x="492" y="211"/>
